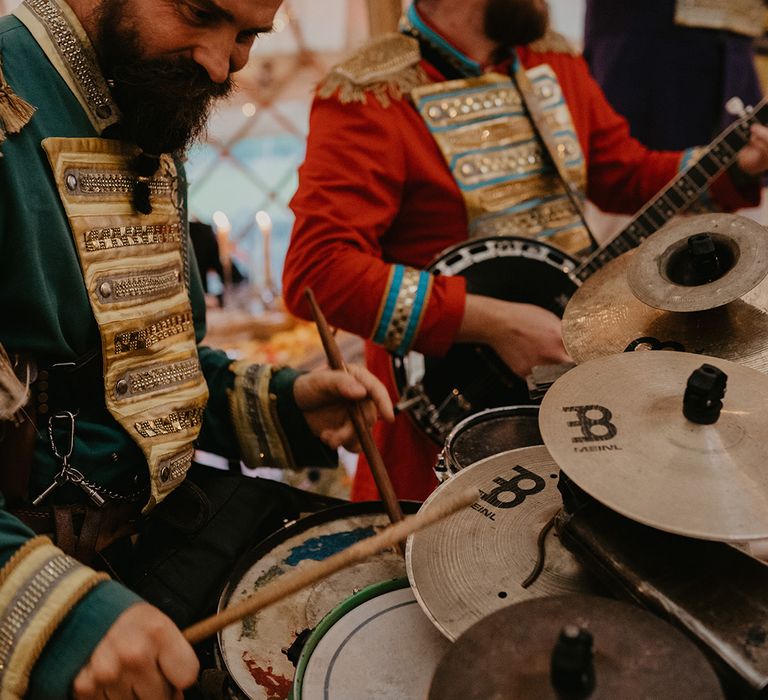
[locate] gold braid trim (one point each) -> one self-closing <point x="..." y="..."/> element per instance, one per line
<point x="254" y="416"/>
<point x="15" y="112"/>
<point x="387" y="68"/>
<point x="555" y="42"/>
<point x="39" y="586"/>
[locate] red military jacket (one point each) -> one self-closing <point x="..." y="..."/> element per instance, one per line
<point x="375" y="192"/>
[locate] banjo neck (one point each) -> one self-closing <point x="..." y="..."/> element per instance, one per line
<point x="678" y="195"/>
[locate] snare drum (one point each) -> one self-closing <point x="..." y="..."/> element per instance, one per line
<point x="257" y="652"/>
<point x="488" y="433"/>
<point x="377" y="644"/>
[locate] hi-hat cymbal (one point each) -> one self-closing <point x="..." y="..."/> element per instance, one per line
<point x="604" y="318"/>
<point x="616" y="427"/>
<point x="508" y="655"/>
<point x="671" y="272"/>
<point x="475" y="561"/>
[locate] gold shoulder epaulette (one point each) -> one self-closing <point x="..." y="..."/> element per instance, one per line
<point x="15" y="113"/>
<point x="387" y="67"/>
<point x="553" y="41"/>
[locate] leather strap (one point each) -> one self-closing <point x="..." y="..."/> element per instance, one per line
<point x="535" y="111"/>
<point x="17" y="447"/>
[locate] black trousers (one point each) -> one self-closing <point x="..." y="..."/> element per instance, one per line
<point x="189" y="545"/>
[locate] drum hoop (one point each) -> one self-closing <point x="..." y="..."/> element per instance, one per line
<point x="526" y="410"/>
<point x="296" y="527"/>
<point x="345" y="607"/>
<point x="291" y="529"/>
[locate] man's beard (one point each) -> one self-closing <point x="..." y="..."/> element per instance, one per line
<point x="165" y="103"/>
<point x="516" y="22"/>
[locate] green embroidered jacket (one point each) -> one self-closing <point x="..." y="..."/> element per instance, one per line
<point x="46" y="313"/>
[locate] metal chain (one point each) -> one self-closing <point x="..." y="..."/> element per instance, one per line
<point x="98" y="488"/>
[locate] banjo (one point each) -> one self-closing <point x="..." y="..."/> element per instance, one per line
<point x="441" y="391"/>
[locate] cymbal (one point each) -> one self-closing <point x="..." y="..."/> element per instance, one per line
<point x="604" y="318"/>
<point x="474" y="562"/>
<point x="616" y="427"/>
<point x="635" y="655"/>
<point x="663" y="273"/>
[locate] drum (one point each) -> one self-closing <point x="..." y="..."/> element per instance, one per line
<point x="260" y="653"/>
<point x="488" y="433"/>
<point x="377" y="644"/>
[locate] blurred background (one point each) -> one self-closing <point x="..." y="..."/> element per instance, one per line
<point x="255" y="142"/>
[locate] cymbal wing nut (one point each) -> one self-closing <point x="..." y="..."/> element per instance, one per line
<point x="704" y="392"/>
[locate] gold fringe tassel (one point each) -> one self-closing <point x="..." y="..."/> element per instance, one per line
<point x="15" y="112"/>
<point x="13" y="393"/>
<point x="385" y="91"/>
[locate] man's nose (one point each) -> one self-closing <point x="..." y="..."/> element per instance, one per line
<point x="221" y="59"/>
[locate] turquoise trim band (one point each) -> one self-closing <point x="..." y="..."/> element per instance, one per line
<point x="470" y="66"/>
<point x="389" y="307"/>
<point x="418" y="309"/>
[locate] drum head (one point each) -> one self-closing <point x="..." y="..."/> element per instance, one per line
<point x="491" y="432"/>
<point x="378" y="644"/>
<point x="254" y="651"/>
<point x="475" y="561"/>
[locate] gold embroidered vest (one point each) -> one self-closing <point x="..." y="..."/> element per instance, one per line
<point x="134" y="266"/>
<point x="499" y="162"/>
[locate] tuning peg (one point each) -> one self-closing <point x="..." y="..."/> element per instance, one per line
<point x="735" y="107"/>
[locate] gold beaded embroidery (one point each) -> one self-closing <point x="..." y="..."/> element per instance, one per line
<point x="99" y="182"/>
<point x="406" y="298"/>
<point x="172" y="469"/>
<point x="126" y="236"/>
<point x="176" y="422"/>
<point x="484" y="104"/>
<point x="530" y="223"/>
<point x="157" y="377"/>
<point x="78" y="58"/>
<point x="150" y="285"/>
<point x="19" y="613"/>
<point x="145" y="338"/>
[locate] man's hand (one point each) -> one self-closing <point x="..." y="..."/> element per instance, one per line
<point x="753" y="158"/>
<point x="522" y="335"/>
<point x="325" y="395"/>
<point x="143" y="655"/>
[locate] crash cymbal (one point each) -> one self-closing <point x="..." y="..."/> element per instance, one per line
<point x="475" y="561"/>
<point x="616" y="427"/>
<point x="604" y="318"/>
<point x="700" y="263"/>
<point x="509" y="655"/>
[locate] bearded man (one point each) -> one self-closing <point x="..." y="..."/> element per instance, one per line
<point x="102" y="314"/>
<point x="419" y="142"/>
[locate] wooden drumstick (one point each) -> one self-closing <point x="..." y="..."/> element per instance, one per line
<point x="372" y="454"/>
<point x="313" y="573"/>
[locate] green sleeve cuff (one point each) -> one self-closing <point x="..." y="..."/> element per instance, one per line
<point x="307" y="450"/>
<point x="75" y="639"/>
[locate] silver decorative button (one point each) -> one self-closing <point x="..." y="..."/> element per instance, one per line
<point x="121" y="387"/>
<point x="165" y="474"/>
<point x="105" y="289"/>
<point x="71" y="182"/>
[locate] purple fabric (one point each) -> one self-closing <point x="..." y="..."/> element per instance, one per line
<point x="670" y="82"/>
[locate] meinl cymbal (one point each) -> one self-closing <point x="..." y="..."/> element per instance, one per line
<point x="604" y="318"/>
<point x="475" y="561"/>
<point x="509" y="655"/>
<point x="616" y="427"/>
<point x="699" y="263"/>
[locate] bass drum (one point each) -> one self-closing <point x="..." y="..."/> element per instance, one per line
<point x="441" y="391"/>
<point x="377" y="644"/>
<point x="486" y="434"/>
<point x="260" y="653"/>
